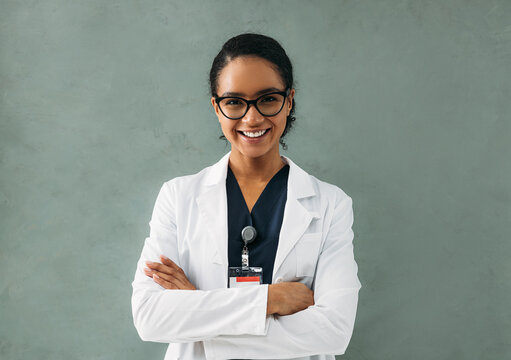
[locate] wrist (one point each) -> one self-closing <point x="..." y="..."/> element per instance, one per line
<point x="272" y="306"/>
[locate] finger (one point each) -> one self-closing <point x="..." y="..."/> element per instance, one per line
<point x="170" y="278"/>
<point x="164" y="283"/>
<point x="161" y="267"/>
<point x="179" y="283"/>
<point x="150" y="272"/>
<point x="177" y="275"/>
<point x="175" y="271"/>
<point x="171" y="269"/>
<point x="158" y="265"/>
<point x="165" y="260"/>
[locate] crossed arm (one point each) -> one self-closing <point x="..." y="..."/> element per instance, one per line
<point x="168" y="308"/>
<point x="283" y="299"/>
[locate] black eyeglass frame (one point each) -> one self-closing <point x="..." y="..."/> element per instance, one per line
<point x="248" y="102"/>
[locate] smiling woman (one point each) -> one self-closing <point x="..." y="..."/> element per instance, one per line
<point x="274" y="276"/>
<point x="255" y="137"/>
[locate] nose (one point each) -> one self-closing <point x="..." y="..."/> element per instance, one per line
<point x="252" y="115"/>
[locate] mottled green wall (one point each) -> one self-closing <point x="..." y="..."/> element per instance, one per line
<point x="403" y="104"/>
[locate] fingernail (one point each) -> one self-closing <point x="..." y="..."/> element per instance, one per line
<point x="156" y="276"/>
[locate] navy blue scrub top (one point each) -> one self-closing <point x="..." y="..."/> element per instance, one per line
<point x="266" y="218"/>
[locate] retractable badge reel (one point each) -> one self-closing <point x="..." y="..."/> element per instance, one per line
<point x="245" y="275"/>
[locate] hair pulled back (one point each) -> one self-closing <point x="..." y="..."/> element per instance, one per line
<point x="251" y="44"/>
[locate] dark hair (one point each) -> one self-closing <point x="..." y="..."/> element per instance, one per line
<point x="261" y="46"/>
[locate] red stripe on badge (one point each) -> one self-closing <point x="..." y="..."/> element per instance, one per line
<point x="247" y="278"/>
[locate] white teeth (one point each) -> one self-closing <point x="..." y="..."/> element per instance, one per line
<point x="254" y="134"/>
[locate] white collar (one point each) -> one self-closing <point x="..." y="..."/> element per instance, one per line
<point x="299" y="181"/>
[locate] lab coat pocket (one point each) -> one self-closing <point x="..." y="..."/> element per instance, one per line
<point x="307" y="251"/>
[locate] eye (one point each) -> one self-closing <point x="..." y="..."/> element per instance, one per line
<point x="232" y="102"/>
<point x="268" y="98"/>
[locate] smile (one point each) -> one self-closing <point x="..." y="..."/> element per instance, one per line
<point x="253" y="134"/>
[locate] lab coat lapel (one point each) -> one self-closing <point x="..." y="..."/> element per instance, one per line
<point x="212" y="205"/>
<point x="296" y="218"/>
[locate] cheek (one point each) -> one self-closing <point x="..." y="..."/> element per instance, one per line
<point x="227" y="128"/>
<point x="282" y="124"/>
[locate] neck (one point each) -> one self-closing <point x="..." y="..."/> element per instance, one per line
<point x="259" y="169"/>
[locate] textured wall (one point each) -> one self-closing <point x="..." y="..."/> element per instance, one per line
<point x="403" y="104"/>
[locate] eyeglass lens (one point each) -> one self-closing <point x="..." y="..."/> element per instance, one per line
<point x="267" y="105"/>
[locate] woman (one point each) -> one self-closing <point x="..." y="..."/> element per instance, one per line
<point x="189" y="289"/>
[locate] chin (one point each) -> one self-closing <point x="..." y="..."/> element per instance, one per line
<point x="254" y="152"/>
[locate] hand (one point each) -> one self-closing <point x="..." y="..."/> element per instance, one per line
<point x="168" y="274"/>
<point x="287" y="298"/>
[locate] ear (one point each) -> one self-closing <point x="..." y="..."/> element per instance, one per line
<point x="290" y="102"/>
<point x="215" y="106"/>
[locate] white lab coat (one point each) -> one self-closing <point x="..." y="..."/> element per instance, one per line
<point x="189" y="225"/>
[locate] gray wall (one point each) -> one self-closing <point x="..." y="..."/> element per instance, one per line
<point x="403" y="104"/>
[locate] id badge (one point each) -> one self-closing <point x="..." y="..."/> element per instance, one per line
<point x="243" y="277"/>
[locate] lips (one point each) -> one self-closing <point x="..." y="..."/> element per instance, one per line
<point x="250" y="139"/>
<point x="253" y="132"/>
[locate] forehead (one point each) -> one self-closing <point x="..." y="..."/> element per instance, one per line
<point x="247" y="75"/>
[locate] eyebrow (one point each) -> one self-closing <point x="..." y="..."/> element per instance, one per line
<point x="260" y="92"/>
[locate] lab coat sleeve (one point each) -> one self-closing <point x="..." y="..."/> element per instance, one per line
<point x="165" y="315"/>
<point x="324" y="328"/>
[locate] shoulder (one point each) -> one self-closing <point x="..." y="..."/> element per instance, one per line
<point x="188" y="186"/>
<point x="196" y="183"/>
<point x="192" y="180"/>
<point x="334" y="201"/>
<point x="185" y="184"/>
<point x="328" y="190"/>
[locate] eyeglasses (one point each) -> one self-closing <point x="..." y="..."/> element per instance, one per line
<point x="269" y="104"/>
